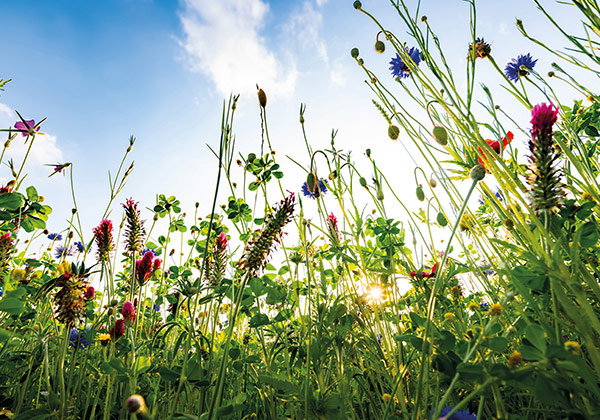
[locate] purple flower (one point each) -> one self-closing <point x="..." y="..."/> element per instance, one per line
<point x="513" y="69"/>
<point x="78" y="246"/>
<point x="399" y="68"/>
<point x="55" y="236"/>
<point x="459" y="415"/>
<point x="26" y="127"/>
<point x="484" y="305"/>
<point x="62" y="251"/>
<point x="1" y="293"/>
<point x="311" y="194"/>
<point x="77" y="339"/>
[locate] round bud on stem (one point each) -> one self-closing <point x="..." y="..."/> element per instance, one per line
<point x="357" y="5"/>
<point x="477" y="173"/>
<point x="393" y="132"/>
<point x="354" y="52"/>
<point x="379" y="47"/>
<point x="262" y="98"/>
<point x="440" y="135"/>
<point x="420" y="193"/>
<point x="363" y="182"/>
<point x="441" y="219"/>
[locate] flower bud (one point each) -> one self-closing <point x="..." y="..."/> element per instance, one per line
<point x="363" y="182"/>
<point x="420" y="193"/>
<point x="441" y="219"/>
<point x="354" y="52"/>
<point x="440" y="135"/>
<point x="262" y="98"/>
<point x="393" y="132"/>
<point x="477" y="173"/>
<point x="379" y="47"/>
<point x="357" y="5"/>
<point x="379" y="193"/>
<point x="311" y="181"/>
<point x="432" y="183"/>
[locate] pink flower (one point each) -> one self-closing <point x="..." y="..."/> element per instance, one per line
<point x="128" y="312"/>
<point x="26" y="127"/>
<point x="543" y="118"/>
<point x="145" y="267"/>
<point x="89" y="293"/>
<point x="104" y="239"/>
<point x="118" y="330"/>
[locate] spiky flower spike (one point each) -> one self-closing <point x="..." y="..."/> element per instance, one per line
<point x="259" y="247"/>
<point x="145" y="268"/>
<point x="104" y="240"/>
<point x="134" y="231"/>
<point x="334" y="232"/>
<point x="544" y="179"/>
<point x="218" y="261"/>
<point x="70" y="298"/>
<point x="5" y="251"/>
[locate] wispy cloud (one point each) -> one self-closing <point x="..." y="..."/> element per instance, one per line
<point x="223" y="40"/>
<point x="305" y="25"/>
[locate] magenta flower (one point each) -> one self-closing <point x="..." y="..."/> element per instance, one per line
<point x="128" y="312"/>
<point x="118" y="330"/>
<point x="89" y="293"/>
<point x="543" y="117"/>
<point x="145" y="267"/>
<point x="26" y="127"/>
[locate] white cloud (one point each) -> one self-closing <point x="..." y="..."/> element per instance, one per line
<point x="305" y="25"/>
<point x="223" y="41"/>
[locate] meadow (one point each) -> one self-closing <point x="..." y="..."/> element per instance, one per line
<point x="481" y="302"/>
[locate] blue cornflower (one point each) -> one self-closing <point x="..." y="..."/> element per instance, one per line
<point x="55" y="236"/>
<point x="62" y="251"/>
<point x="1" y="293"/>
<point x="311" y="194"/>
<point x="513" y="69"/>
<point x="459" y="415"/>
<point x="484" y="305"/>
<point x="379" y="336"/>
<point x="156" y="307"/>
<point x="78" y="246"/>
<point x="399" y="68"/>
<point x="148" y="250"/>
<point x="78" y="340"/>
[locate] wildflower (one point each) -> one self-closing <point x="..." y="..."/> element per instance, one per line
<point x="18" y="274"/>
<point x="134" y="231"/>
<point x="104" y="239"/>
<point x="77" y="340"/>
<point x="319" y="188"/>
<point x="482" y="49"/>
<point x="425" y="274"/>
<point x="514" y="70"/>
<point x="386" y="397"/>
<point x="62" y="251"/>
<point x="515" y="359"/>
<point x="459" y="415"/>
<point x="474" y="306"/>
<point x="456" y="291"/>
<point x="496" y="309"/>
<point x="69" y="298"/>
<point x="118" y="330"/>
<point x="218" y="261"/>
<point x="55" y="237"/>
<point x="260" y="246"/>
<point x="104" y="339"/>
<point x="449" y="316"/>
<point x="484" y="305"/>
<point x="399" y="68"/>
<point x="587" y="196"/>
<point x="90" y="292"/>
<point x="334" y="233"/>
<point x="78" y="246"/>
<point x="145" y="268"/>
<point x="26" y="128"/>
<point x="136" y="404"/>
<point x="5" y="250"/>
<point x="128" y="312"/>
<point x="544" y="178"/>
<point x="58" y="168"/>
<point x="495" y="145"/>
<point x="573" y="347"/>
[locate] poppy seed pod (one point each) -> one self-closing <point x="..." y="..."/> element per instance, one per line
<point x="357" y="5"/>
<point x="354" y="52"/>
<point x="379" y="193"/>
<point x="393" y="132"/>
<point x="432" y="183"/>
<point x="441" y="219"/>
<point x="440" y="135"/>
<point x="363" y="182"/>
<point x="379" y="47"/>
<point x="477" y="173"/>
<point x="311" y="181"/>
<point x="262" y="98"/>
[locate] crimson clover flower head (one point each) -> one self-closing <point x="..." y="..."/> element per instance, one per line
<point x="513" y="69"/>
<point x="134" y="229"/>
<point x="128" y="312"/>
<point x="399" y="68"/>
<point x="459" y="415"/>
<point x="311" y="194"/>
<point x="543" y="117"/>
<point x="89" y="293"/>
<point x="118" y="330"/>
<point x="26" y="127"/>
<point x="104" y="239"/>
<point x="145" y="267"/>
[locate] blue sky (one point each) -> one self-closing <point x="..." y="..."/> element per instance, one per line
<point x="104" y="70"/>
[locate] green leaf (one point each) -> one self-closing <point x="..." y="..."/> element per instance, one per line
<point x="587" y="234"/>
<point x="278" y="383"/>
<point x="31" y="223"/>
<point x="536" y="336"/>
<point x="32" y="194"/>
<point x="11" y="201"/>
<point x="468" y="371"/>
<point x="12" y="305"/>
<point x="498" y="344"/>
<point x="118" y="365"/>
<point x="258" y="320"/>
<point x="141" y="365"/>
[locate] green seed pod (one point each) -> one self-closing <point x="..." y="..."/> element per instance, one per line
<point x="379" y="47"/>
<point x="379" y="193"/>
<point x="357" y="5"/>
<point x="420" y="193"/>
<point x="441" y="219"/>
<point x="354" y="52"/>
<point x="311" y="181"/>
<point x="363" y="182"/>
<point x="251" y="157"/>
<point x="440" y="135"/>
<point x="393" y="132"/>
<point x="477" y="173"/>
<point x="368" y="152"/>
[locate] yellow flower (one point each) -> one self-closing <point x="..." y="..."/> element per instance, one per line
<point x="136" y="404"/>
<point x="104" y="339"/>
<point x="64" y="267"/>
<point x="7" y="413"/>
<point x="449" y="316"/>
<point x="515" y="359"/>
<point x="386" y="397"/>
<point x="573" y="347"/>
<point x="474" y="306"/>
<point x="18" y="274"/>
<point x="496" y="309"/>
<point x="587" y="197"/>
